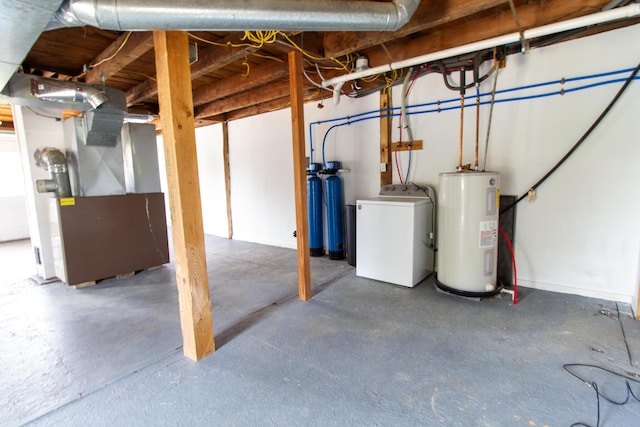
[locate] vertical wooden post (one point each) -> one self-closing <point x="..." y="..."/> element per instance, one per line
<point x="227" y="176"/>
<point x="299" y="174"/>
<point x="178" y="134"/>
<point x="386" y="167"/>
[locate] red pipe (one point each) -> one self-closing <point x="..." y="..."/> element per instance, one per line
<point x="513" y="261"/>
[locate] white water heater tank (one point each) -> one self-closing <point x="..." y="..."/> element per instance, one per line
<point x="468" y="205"/>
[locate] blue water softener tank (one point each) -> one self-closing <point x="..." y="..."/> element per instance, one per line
<point x="314" y="203"/>
<point x="335" y="208"/>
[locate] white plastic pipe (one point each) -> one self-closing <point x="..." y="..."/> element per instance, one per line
<point x="625" y="12"/>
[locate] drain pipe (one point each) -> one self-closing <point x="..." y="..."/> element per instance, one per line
<point x="233" y="15"/>
<point x="53" y="161"/>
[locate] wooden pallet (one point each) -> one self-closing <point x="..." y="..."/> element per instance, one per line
<point x="117" y="277"/>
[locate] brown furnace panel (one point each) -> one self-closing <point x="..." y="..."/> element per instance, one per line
<point x="105" y="236"/>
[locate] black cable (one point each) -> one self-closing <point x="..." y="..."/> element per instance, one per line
<point x="599" y="395"/>
<point x="57" y="119"/>
<point x="581" y="140"/>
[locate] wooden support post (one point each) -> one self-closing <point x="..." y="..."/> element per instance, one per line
<point x="299" y="174"/>
<point x="386" y="167"/>
<point x="178" y="134"/>
<point x="227" y="176"/>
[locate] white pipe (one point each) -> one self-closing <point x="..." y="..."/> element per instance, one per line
<point x="625" y="12"/>
<point x="510" y="292"/>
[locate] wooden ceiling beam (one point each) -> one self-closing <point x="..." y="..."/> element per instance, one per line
<point x="530" y="16"/>
<point x="215" y="57"/>
<point x="6" y="126"/>
<point x="269" y="106"/>
<point x="258" y="76"/>
<point x="246" y="99"/>
<point x="136" y="44"/>
<point x="211" y="58"/>
<point x="264" y="107"/>
<point x="311" y="42"/>
<point x="142" y="92"/>
<point x="429" y="15"/>
<point x="6" y="115"/>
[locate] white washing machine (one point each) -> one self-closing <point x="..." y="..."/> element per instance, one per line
<point x="395" y="234"/>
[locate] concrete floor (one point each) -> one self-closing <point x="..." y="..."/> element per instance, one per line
<point x="360" y="352"/>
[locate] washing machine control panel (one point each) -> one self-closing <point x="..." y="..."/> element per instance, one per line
<point x="404" y="190"/>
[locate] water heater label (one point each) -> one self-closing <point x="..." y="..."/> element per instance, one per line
<point x="488" y="234"/>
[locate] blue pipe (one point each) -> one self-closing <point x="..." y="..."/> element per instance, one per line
<point x="438" y="110"/>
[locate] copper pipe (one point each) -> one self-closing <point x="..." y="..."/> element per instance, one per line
<point x="462" y="84"/>
<point x="477" y="125"/>
<point x="461" y="130"/>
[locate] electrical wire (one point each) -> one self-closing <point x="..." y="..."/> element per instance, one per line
<point x="272" y="58"/>
<point x="628" y="381"/>
<point x="259" y="39"/>
<point x="228" y="43"/>
<point x="110" y="57"/>
<point x="46" y="116"/>
<point x="595" y="124"/>
<point x="346" y="66"/>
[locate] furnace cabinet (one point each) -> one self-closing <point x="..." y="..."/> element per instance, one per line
<point x="105" y="236"/>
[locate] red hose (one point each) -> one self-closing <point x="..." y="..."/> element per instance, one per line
<point x="513" y="261"/>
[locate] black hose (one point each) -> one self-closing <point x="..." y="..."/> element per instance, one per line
<point x="476" y="61"/>
<point x="580" y="141"/>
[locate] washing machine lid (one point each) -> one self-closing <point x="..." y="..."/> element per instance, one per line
<point x="394" y="201"/>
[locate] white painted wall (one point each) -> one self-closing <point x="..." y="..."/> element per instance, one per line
<point x="13" y="211"/>
<point x="582" y="234"/>
<point x="37" y="128"/>
<point x="211" y="174"/>
<point x="212" y="187"/>
<point x="261" y="166"/>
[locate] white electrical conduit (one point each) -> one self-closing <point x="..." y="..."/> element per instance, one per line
<point x="625" y="12"/>
<point x="403" y="105"/>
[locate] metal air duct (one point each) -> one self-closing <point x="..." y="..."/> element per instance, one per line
<point x="21" y="23"/>
<point x="66" y="91"/>
<point x="234" y="15"/>
<point x="54" y="161"/>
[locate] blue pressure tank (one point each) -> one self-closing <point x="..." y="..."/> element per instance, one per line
<point x="333" y="186"/>
<point x="314" y="203"/>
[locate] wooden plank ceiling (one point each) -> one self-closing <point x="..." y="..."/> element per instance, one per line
<point x="236" y="74"/>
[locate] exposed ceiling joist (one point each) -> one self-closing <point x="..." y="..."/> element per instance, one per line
<point x="258" y="76"/>
<point x="122" y="52"/>
<point x="235" y="75"/>
<point x="468" y="31"/>
<point x="246" y="99"/>
<point x="430" y="14"/>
